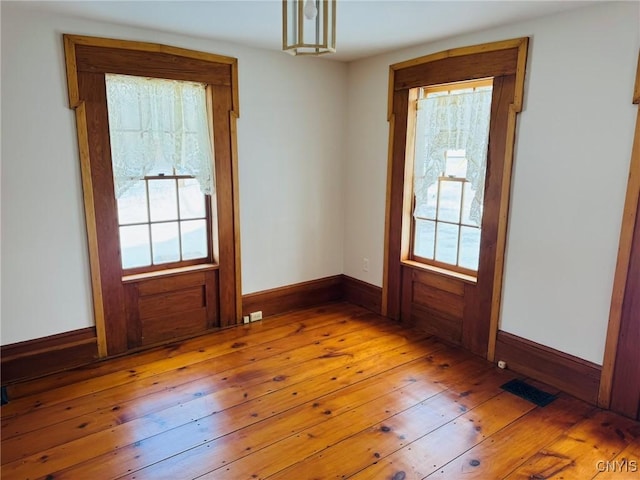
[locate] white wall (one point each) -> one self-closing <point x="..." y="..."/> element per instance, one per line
<point x="290" y="178"/>
<point x="314" y="207"/>
<point x="572" y="157"/>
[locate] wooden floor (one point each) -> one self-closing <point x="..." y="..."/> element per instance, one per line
<point x="330" y="392"/>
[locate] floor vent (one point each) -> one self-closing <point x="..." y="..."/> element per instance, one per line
<point x="529" y="392"/>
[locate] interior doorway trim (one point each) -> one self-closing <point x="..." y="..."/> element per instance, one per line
<point x="623" y="262"/>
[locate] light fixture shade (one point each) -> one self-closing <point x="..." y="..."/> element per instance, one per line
<point x="309" y="26"/>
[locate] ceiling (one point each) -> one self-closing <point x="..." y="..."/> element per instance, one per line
<point x="364" y="27"/>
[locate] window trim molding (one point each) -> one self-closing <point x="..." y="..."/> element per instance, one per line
<point x="71" y="41"/>
<point x="407" y="75"/>
<point x="221" y="72"/>
<point x="521" y="44"/>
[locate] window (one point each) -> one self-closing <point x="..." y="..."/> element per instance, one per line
<point x="437" y="183"/>
<point x="450" y="158"/>
<point x="163" y="221"/>
<point x="163" y="171"/>
<point x="163" y="244"/>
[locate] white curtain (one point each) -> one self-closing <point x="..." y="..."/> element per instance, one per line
<point x="156" y="125"/>
<point x="455" y="121"/>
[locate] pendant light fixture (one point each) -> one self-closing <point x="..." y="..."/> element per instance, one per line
<point x="309" y="27"/>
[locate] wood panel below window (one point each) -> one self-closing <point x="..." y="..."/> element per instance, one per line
<point x="164" y="308"/>
<point x="435" y="303"/>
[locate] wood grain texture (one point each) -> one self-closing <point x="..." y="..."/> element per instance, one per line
<point x="117" y="299"/>
<point x="625" y="392"/>
<point x="150" y="48"/>
<point x="226" y="199"/>
<point x="159" y="64"/>
<point x="566" y="372"/>
<point x="362" y="293"/>
<point x="344" y="392"/>
<point x="392" y="282"/>
<point x="89" y="207"/>
<point x="479" y="309"/>
<point x="93" y="93"/>
<point x="35" y="358"/>
<point x="514" y="43"/>
<point x="156" y="286"/>
<point x="568" y="459"/>
<point x="235" y="181"/>
<point x="436" y="322"/>
<point x="480" y="335"/>
<point x="454" y="69"/>
<point x="147" y="297"/>
<point x="301" y="295"/>
<point x="388" y="273"/>
<point x="629" y="218"/>
<point x="160" y="328"/>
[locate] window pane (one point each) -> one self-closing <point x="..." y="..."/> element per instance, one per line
<point x="132" y="205"/>
<point x="426" y="207"/>
<point x="424" y="237"/>
<point x="469" y="194"/>
<point x="191" y="199"/>
<point x="456" y="164"/>
<point x="446" y="243"/>
<point x="194" y="239"/>
<point x="161" y="167"/>
<point x="469" y="247"/>
<point x="163" y="202"/>
<point x="166" y="245"/>
<point x="134" y="245"/>
<point x="450" y="198"/>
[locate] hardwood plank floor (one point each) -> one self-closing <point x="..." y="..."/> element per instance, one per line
<point x="323" y="393"/>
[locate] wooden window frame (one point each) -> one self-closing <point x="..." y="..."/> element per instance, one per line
<point x="432" y="261"/>
<point x="505" y="60"/>
<point x="88" y="59"/>
<point x="209" y="259"/>
<point x="423" y="93"/>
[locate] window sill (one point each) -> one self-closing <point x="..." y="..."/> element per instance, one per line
<point x="440" y="271"/>
<point x="169" y="272"/>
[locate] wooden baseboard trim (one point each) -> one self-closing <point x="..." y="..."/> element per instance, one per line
<point x="362" y="293"/>
<point x="42" y="356"/>
<point x="570" y="374"/>
<point x="300" y="295"/>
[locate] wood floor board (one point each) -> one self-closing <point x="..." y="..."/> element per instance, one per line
<point x="491" y="410"/>
<point x="276" y="327"/>
<point x="626" y="464"/>
<point x="367" y="447"/>
<point x="248" y="399"/>
<point x="353" y="376"/>
<point x="320" y="409"/>
<point x="249" y="380"/>
<point x="271" y="419"/>
<point x="576" y="453"/>
<point x="323" y="393"/>
<point x="87" y="395"/>
<point x="288" y="425"/>
<point x="333" y="430"/>
<point x="503" y="452"/>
